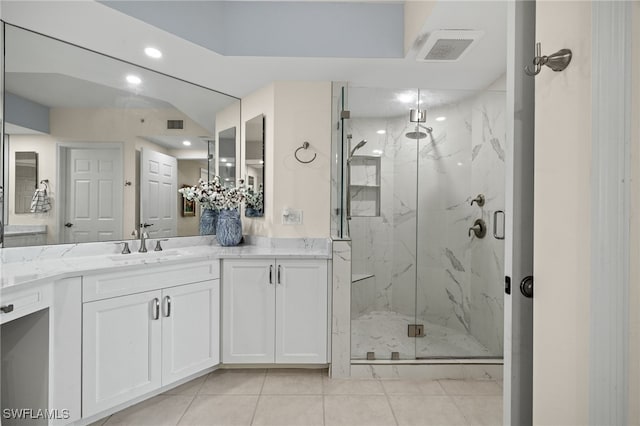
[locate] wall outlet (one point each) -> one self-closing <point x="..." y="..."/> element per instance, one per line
<point x="291" y="217"/>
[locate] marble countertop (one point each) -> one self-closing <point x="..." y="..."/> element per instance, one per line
<point x="19" y="269"/>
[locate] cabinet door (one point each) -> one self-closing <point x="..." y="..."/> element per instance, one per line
<point x="248" y="320"/>
<point x="301" y="311"/>
<point x="121" y="350"/>
<point x="190" y="329"/>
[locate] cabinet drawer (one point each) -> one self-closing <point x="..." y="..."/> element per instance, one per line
<point x="24" y="302"/>
<point x="103" y="286"/>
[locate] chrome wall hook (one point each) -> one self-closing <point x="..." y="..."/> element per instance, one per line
<point x="557" y="61"/>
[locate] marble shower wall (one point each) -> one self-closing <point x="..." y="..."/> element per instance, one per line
<point x="459" y="277"/>
<point x="385" y="246"/>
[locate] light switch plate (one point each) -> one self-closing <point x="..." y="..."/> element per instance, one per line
<point x="291" y="217"/>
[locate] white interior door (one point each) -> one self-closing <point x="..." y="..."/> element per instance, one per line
<point x="518" y="309"/>
<point x="158" y="194"/>
<point x="93" y="210"/>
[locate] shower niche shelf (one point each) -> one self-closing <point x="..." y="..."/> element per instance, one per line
<point x="365" y="186"/>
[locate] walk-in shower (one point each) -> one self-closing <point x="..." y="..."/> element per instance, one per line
<point x="422" y="287"/>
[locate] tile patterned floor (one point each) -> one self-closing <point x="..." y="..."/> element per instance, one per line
<point x="283" y="397"/>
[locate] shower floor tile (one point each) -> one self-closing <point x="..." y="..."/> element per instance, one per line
<point x="384" y="332"/>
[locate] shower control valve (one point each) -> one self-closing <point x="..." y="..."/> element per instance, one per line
<point x="479" y="228"/>
<point x="479" y="200"/>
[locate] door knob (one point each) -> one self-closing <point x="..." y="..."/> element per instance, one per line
<point x="146" y="225"/>
<point x="68" y="225"/>
<point x="526" y="286"/>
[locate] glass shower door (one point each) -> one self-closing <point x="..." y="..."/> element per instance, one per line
<point x="459" y="297"/>
<point x="383" y="189"/>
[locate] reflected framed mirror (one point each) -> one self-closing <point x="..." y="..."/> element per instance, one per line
<point x="115" y="141"/>
<point x="227" y="156"/>
<point x="254" y="166"/>
<point x="25" y="174"/>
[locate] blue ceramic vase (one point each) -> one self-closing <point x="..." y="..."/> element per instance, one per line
<point x="229" y="228"/>
<point x="208" y="221"/>
<point x="251" y="212"/>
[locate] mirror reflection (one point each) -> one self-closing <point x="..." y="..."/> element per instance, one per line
<point x="227" y="156"/>
<point x="26" y="178"/>
<point x="254" y="166"/>
<point x="114" y="141"/>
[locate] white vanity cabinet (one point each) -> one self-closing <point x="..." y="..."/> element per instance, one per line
<point x="275" y="311"/>
<point x="135" y="343"/>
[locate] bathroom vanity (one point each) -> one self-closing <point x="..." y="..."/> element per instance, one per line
<point x="108" y="330"/>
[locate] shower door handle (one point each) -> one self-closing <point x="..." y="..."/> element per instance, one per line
<point x="496" y="235"/>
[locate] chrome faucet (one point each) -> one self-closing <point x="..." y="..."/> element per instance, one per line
<point x="143" y="242"/>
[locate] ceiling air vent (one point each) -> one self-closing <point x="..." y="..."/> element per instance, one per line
<point x="448" y="45"/>
<point x="175" y="124"/>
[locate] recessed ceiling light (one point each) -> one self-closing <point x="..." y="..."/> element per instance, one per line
<point x="381" y="132"/>
<point x="377" y="151"/>
<point x="223" y="160"/>
<point x="406" y="97"/>
<point x="261" y="161"/>
<point x="459" y="164"/>
<point x="229" y="164"/>
<point x="441" y="118"/>
<point x="152" y="52"/>
<point x="186" y="143"/>
<point x="134" y="79"/>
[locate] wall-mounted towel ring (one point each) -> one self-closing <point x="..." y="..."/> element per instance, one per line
<point x="305" y="145"/>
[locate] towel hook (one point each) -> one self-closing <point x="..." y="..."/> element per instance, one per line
<point x="305" y="145"/>
<point x="557" y="61"/>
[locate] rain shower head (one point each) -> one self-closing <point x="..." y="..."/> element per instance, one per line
<point x="357" y="147"/>
<point x="417" y="134"/>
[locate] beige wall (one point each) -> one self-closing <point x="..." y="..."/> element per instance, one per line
<point x="562" y="248"/>
<point x="188" y="174"/>
<point x="259" y="102"/>
<point x="45" y="146"/>
<point x="294" y="112"/>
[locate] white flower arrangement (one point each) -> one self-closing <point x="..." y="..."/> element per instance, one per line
<point x="214" y="195"/>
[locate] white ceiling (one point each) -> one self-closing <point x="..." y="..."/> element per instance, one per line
<point x="56" y="74"/>
<point x="104" y="29"/>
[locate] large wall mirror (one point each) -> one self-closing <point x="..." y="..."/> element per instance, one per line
<point x="114" y="143"/>
<point x="254" y="166"/>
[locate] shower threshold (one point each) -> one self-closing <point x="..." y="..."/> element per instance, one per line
<point x="431" y="360"/>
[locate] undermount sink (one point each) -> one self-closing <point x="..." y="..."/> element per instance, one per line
<point x="165" y="254"/>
